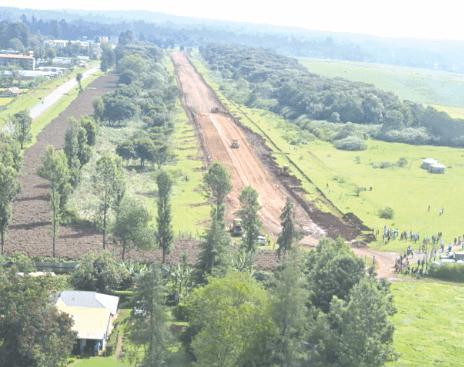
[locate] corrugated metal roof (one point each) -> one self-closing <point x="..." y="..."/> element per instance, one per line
<point x="89" y="300"/>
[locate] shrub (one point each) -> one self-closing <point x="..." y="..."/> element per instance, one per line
<point x="386" y="213"/>
<point x="350" y="143"/>
<point x="452" y="272"/>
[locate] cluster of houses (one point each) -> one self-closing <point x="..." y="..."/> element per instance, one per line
<point x="433" y="166"/>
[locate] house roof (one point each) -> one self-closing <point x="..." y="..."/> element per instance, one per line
<point x="89" y="300"/>
<point x="90" y="323"/>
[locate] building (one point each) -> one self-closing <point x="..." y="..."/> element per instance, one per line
<point x="11" y="92"/>
<point x="437" y="168"/>
<point x="25" y="62"/>
<point x="93" y="314"/>
<point x="428" y="162"/>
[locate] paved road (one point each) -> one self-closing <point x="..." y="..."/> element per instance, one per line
<point x="53" y="97"/>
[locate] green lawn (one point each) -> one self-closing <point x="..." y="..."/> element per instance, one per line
<point x="414" y="84"/>
<point x="429" y="325"/>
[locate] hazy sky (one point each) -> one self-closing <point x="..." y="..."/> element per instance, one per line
<point x="391" y="18"/>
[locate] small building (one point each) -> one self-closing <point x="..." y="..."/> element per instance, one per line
<point x="93" y="314"/>
<point x="426" y="163"/>
<point x="11" y="92"/>
<point x="437" y="168"/>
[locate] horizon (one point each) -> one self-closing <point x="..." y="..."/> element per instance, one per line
<point x="400" y="19"/>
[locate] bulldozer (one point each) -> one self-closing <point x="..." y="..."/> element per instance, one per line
<point x="234" y="144"/>
<point x="236" y="228"/>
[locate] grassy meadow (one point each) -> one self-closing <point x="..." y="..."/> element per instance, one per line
<point x="428" y="325"/>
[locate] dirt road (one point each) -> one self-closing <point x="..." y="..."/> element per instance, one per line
<point x="249" y="164"/>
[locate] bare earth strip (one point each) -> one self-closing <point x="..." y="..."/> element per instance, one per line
<point x="248" y="165"/>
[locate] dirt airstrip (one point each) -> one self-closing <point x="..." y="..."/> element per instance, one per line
<point x="251" y="164"/>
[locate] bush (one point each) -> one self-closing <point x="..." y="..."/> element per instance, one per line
<point x="350" y="143"/>
<point x="386" y="213"/>
<point x="452" y="272"/>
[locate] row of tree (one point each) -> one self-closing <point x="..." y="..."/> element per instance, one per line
<point x="268" y="80"/>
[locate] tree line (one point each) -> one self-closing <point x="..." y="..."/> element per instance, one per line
<point x="262" y="78"/>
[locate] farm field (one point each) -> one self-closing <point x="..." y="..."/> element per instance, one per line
<point x="414" y="84"/>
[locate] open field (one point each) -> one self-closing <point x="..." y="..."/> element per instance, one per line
<point x="429" y="324"/>
<point x="414" y="84"/>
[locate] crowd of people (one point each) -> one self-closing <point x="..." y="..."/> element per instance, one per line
<point x="426" y="250"/>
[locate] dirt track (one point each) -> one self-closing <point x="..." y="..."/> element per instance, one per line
<point x="252" y="163"/>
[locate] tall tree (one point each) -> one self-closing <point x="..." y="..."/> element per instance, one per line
<point x="55" y="169"/>
<point x="212" y="259"/>
<point x="33" y="333"/>
<point x="9" y="188"/>
<point x="22" y="125"/>
<point x="79" y="77"/>
<point x="109" y="186"/>
<point x="130" y="229"/>
<point x="148" y="328"/>
<point x="251" y="221"/>
<point x="218" y="185"/>
<point x="289" y="233"/>
<point x="289" y="312"/>
<point x="164" y="232"/>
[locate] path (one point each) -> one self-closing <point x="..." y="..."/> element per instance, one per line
<point x="59" y="92"/>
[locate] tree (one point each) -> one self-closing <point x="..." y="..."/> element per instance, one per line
<point x="71" y="149"/>
<point x="289" y="233"/>
<point x="9" y="188"/>
<point x="22" y="125"/>
<point x="289" y="312"/>
<point x="251" y="221"/>
<point x="99" y="271"/>
<point x="230" y="320"/>
<point x="130" y="229"/>
<point x="11" y="152"/>
<point x="79" y="77"/>
<point x="55" y="169"/>
<point x="212" y="259"/>
<point x="218" y="185"/>
<point x="34" y="333"/>
<point x="109" y="186"/>
<point x="358" y="330"/>
<point x="164" y="232"/>
<point x="98" y="108"/>
<point x="333" y="269"/>
<point x="147" y="327"/>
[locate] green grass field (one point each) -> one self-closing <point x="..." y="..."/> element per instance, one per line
<point x="429" y="324"/>
<point x="414" y="84"/>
